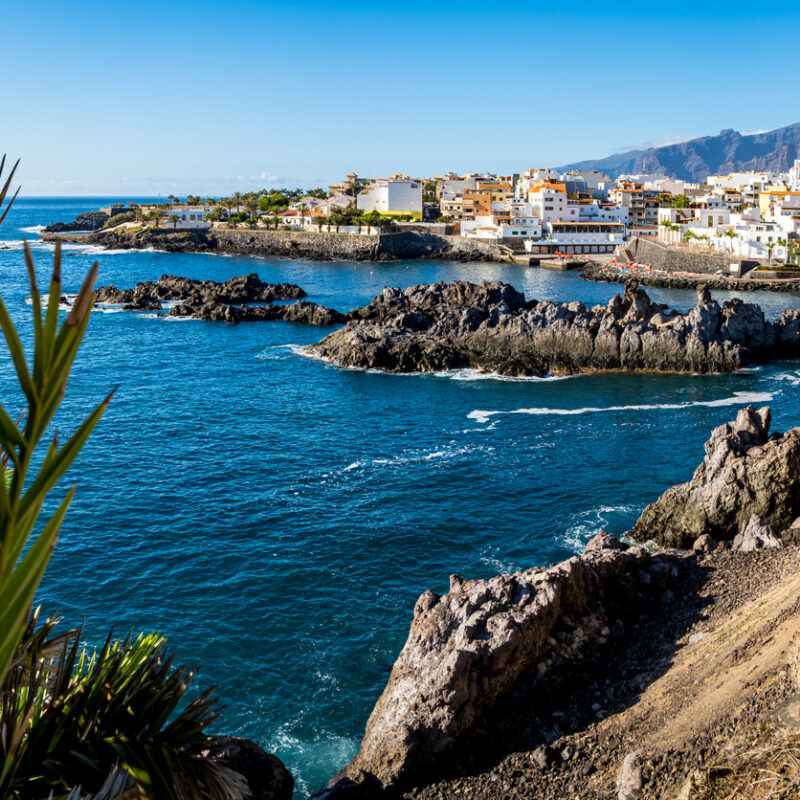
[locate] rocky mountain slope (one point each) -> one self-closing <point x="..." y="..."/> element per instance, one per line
<point x="729" y="151"/>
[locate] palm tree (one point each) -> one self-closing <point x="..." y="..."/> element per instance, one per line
<point x="688" y="236"/>
<point x="173" y="218"/>
<point x="237" y="200"/>
<point x="731" y="234"/>
<point x="302" y="209"/>
<point x="781" y="243"/>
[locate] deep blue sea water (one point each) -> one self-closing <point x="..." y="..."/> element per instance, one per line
<point x="277" y="517"/>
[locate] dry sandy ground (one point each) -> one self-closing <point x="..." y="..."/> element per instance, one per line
<point x="702" y="685"/>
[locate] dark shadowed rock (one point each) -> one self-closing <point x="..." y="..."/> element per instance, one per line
<point x="265" y="774"/>
<point x="490" y="326"/>
<point x="745" y="472"/>
<point x="241" y="299"/>
<point x="242" y="289"/>
<point x="302" y="311"/>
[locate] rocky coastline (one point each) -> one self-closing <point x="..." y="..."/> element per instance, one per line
<point x="492" y="327"/>
<point x="241" y="299"/>
<point x="311" y="245"/>
<point x="600" y="676"/>
<point x="663" y="280"/>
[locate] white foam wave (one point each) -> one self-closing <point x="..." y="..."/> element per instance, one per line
<point x="274" y="352"/>
<point x="327" y="750"/>
<point x="33" y="228"/>
<point x="738" y="398"/>
<point x="478" y="375"/>
<point x="793" y="378"/>
<point x="491" y="557"/>
<point x="588" y="524"/>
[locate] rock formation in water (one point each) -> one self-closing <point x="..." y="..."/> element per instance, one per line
<point x="492" y="327"/>
<point x="241" y="299"/>
<point x="302" y="311"/>
<point x="466" y="649"/>
<point x="745" y="473"/>
<point x="242" y="289"/>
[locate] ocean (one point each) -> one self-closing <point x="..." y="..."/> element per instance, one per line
<point x="276" y="517"/>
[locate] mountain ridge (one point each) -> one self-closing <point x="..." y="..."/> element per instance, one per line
<point x="694" y="160"/>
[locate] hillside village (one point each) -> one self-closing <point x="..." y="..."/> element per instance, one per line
<point x="753" y="215"/>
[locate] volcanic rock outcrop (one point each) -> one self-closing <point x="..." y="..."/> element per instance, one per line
<point x="301" y="311"/>
<point x="89" y="221"/>
<point x="468" y="647"/>
<point x="242" y="289"/>
<point x="492" y="327"/>
<point x="745" y="472"/>
<point x="241" y="299"/>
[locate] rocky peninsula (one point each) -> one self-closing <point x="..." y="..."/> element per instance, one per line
<point x="491" y="326"/>
<point x="241" y="299"/>
<point x="623" y="673"/>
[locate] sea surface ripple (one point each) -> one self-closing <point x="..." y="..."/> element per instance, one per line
<point x="277" y="517"/>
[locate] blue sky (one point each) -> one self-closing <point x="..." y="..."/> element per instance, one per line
<point x="154" y="97"/>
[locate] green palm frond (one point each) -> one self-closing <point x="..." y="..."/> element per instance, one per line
<point x="105" y="719"/>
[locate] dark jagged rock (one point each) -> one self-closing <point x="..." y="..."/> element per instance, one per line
<point x="467" y="648"/>
<point x="491" y="326"/>
<point x="241" y="299"/>
<point x="90" y="221"/>
<point x="745" y="472"/>
<point x="266" y="776"/>
<point x="242" y="289"/>
<point x="302" y="311"/>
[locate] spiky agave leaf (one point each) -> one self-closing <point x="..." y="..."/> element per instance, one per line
<point x="74" y="718"/>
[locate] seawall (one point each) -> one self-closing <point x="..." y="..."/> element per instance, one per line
<point x="351" y="247"/>
<point x="322" y="246"/>
<point x="674" y="259"/>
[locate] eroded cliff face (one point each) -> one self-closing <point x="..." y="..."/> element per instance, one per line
<point x="492" y="327"/>
<point x="467" y="648"/>
<point x="745" y="473"/>
<point x="617" y="631"/>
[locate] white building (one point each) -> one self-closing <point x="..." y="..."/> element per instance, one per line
<point x="548" y="200"/>
<point x="585" y="237"/>
<point x="182" y="217"/>
<point x="794" y="176"/>
<point x="401" y="196"/>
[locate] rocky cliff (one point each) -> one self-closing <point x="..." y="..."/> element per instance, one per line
<point x="492" y="327"/>
<point x="617" y="674"/>
<point x="746" y="473"/>
<point x="466" y="649"/>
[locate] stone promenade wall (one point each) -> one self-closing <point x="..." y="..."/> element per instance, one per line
<point x="674" y="259"/>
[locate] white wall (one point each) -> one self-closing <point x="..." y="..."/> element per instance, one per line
<point x="392" y="196"/>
